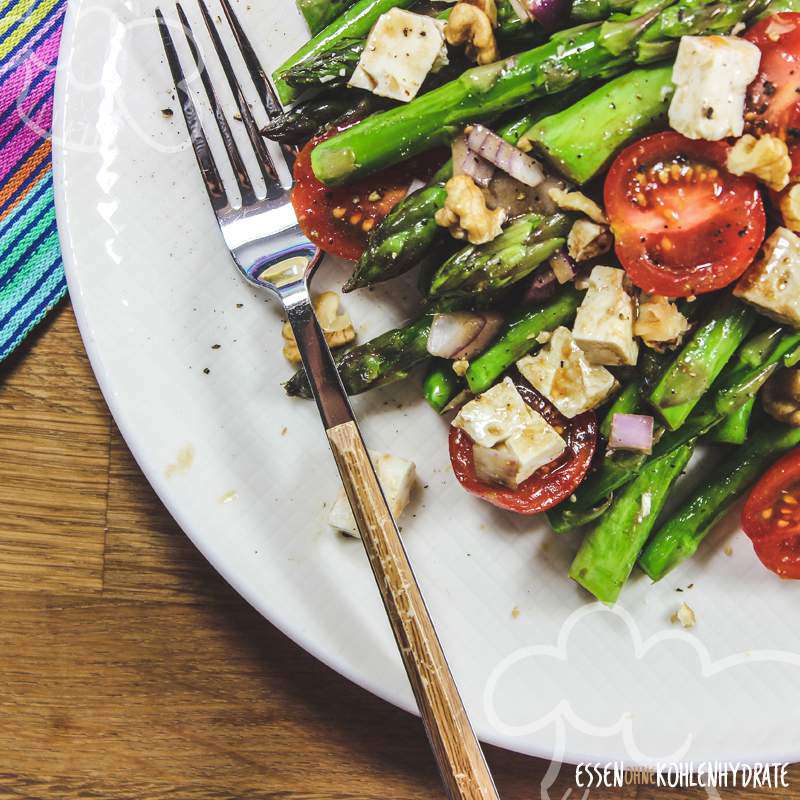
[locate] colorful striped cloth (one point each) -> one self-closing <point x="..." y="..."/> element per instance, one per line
<point x="31" y="274"/>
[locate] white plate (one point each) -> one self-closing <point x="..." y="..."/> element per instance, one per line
<point x="247" y="474"/>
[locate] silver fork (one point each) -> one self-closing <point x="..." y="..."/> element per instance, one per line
<point x="271" y="252"/>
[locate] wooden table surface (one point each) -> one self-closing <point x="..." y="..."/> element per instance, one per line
<point x="129" y="669"/>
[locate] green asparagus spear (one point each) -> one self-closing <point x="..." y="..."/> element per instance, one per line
<point x="519" y="338"/>
<point x="653" y="363"/>
<point x="390" y="356"/>
<point x="301" y="122"/>
<point x="327" y="70"/>
<point x="680" y="536"/>
<point x="627" y="401"/>
<point x="593" y="10"/>
<point x="737" y="385"/>
<point x="608" y="554"/>
<point x="351" y="27"/>
<point x="319" y="14"/>
<point x="733" y="429"/>
<point x="511" y="31"/>
<point x="564" y="518"/>
<point x="482" y="92"/>
<point x="410" y="235"/>
<point x="700" y="361"/>
<point x="441" y="384"/>
<point x="583" y="139"/>
<point x="567" y="516"/>
<point x="520" y="248"/>
<point x="386" y="358"/>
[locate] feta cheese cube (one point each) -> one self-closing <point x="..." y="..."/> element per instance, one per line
<point x="604" y="324"/>
<point x="401" y="49"/>
<point x="511" y="440"/>
<point x="515" y="460"/>
<point x="772" y="282"/>
<point x="562" y="374"/>
<point x="711" y="75"/>
<point x="494" y="416"/>
<point x="396" y="477"/>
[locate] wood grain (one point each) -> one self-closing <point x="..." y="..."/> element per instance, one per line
<point x="130" y="671"/>
<point x="455" y="746"/>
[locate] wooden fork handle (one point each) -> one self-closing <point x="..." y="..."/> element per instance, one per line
<point x="458" y="753"/>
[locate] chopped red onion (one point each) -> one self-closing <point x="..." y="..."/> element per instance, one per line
<point x="462" y="334"/>
<point x="550" y="14"/>
<point x="520" y="10"/>
<point x="541" y="286"/>
<point x="415" y="186"/>
<point x="468" y="162"/>
<point x="631" y="432"/>
<point x="563" y="266"/>
<point x="505" y="156"/>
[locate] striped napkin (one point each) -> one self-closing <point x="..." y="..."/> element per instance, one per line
<point x="31" y="274"/>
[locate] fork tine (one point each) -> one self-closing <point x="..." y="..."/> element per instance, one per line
<point x="239" y="169"/>
<point x="272" y="104"/>
<point x="274" y="188"/>
<point x="264" y="88"/>
<point x="205" y="159"/>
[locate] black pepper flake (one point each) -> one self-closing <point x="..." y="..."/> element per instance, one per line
<point x="742" y="232"/>
<point x="167" y="112"/>
<point x="708" y="113"/>
<point x="769" y="88"/>
<point x="206" y="371"/>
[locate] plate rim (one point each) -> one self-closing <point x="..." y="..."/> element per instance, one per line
<point x="158" y="482"/>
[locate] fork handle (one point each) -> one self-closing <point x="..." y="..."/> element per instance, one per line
<point x="458" y="753"/>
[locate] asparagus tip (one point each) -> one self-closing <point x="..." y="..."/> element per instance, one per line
<point x="351" y="284"/>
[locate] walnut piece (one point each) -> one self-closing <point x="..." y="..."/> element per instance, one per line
<point x="588" y="240"/>
<point x="460" y="367"/>
<point x="790" y="208"/>
<point x="489" y="7"/>
<point x="337" y="327"/>
<point x="766" y="157"/>
<point x="466" y="214"/>
<point x="659" y="324"/>
<point x="578" y="201"/>
<point x="472" y="26"/>
<point x="685" y="615"/>
<point x="781" y="396"/>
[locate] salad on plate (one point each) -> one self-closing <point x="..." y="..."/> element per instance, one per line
<point x="601" y="200"/>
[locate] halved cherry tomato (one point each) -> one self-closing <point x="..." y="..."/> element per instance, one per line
<point x="773" y="99"/>
<point x="339" y="219"/>
<point x="771" y="516"/>
<point x="550" y="484"/>
<point x="682" y="224"/>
